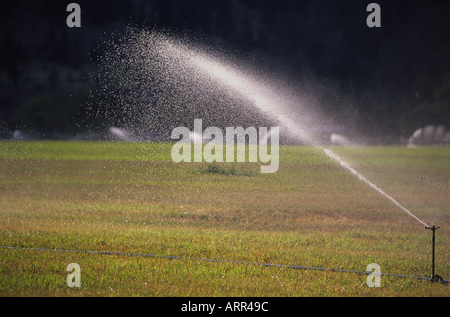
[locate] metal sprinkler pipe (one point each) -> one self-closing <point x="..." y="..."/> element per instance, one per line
<point x="434" y="277"/>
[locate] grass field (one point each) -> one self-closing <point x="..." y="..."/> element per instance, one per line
<point x="131" y="197"/>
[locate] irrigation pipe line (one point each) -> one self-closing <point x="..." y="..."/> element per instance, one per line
<point x="172" y="257"/>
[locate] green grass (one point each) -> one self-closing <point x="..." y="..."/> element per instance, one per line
<point x="130" y="197"/>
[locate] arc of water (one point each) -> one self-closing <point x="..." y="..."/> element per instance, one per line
<point x="239" y="83"/>
<point x="262" y="100"/>
<point x="353" y="171"/>
<point x="244" y="85"/>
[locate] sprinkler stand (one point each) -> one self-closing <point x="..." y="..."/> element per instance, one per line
<point x="434" y="277"/>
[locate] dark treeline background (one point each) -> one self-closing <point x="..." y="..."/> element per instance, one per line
<point x="395" y="78"/>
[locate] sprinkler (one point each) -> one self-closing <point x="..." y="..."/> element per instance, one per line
<point x="434" y="277"/>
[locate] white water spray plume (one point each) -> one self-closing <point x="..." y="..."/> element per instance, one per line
<point x="353" y="171"/>
<point x="155" y="81"/>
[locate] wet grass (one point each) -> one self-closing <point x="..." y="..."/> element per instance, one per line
<point x="130" y="197"/>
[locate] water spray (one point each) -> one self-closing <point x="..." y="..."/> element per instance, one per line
<point x="353" y="171"/>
